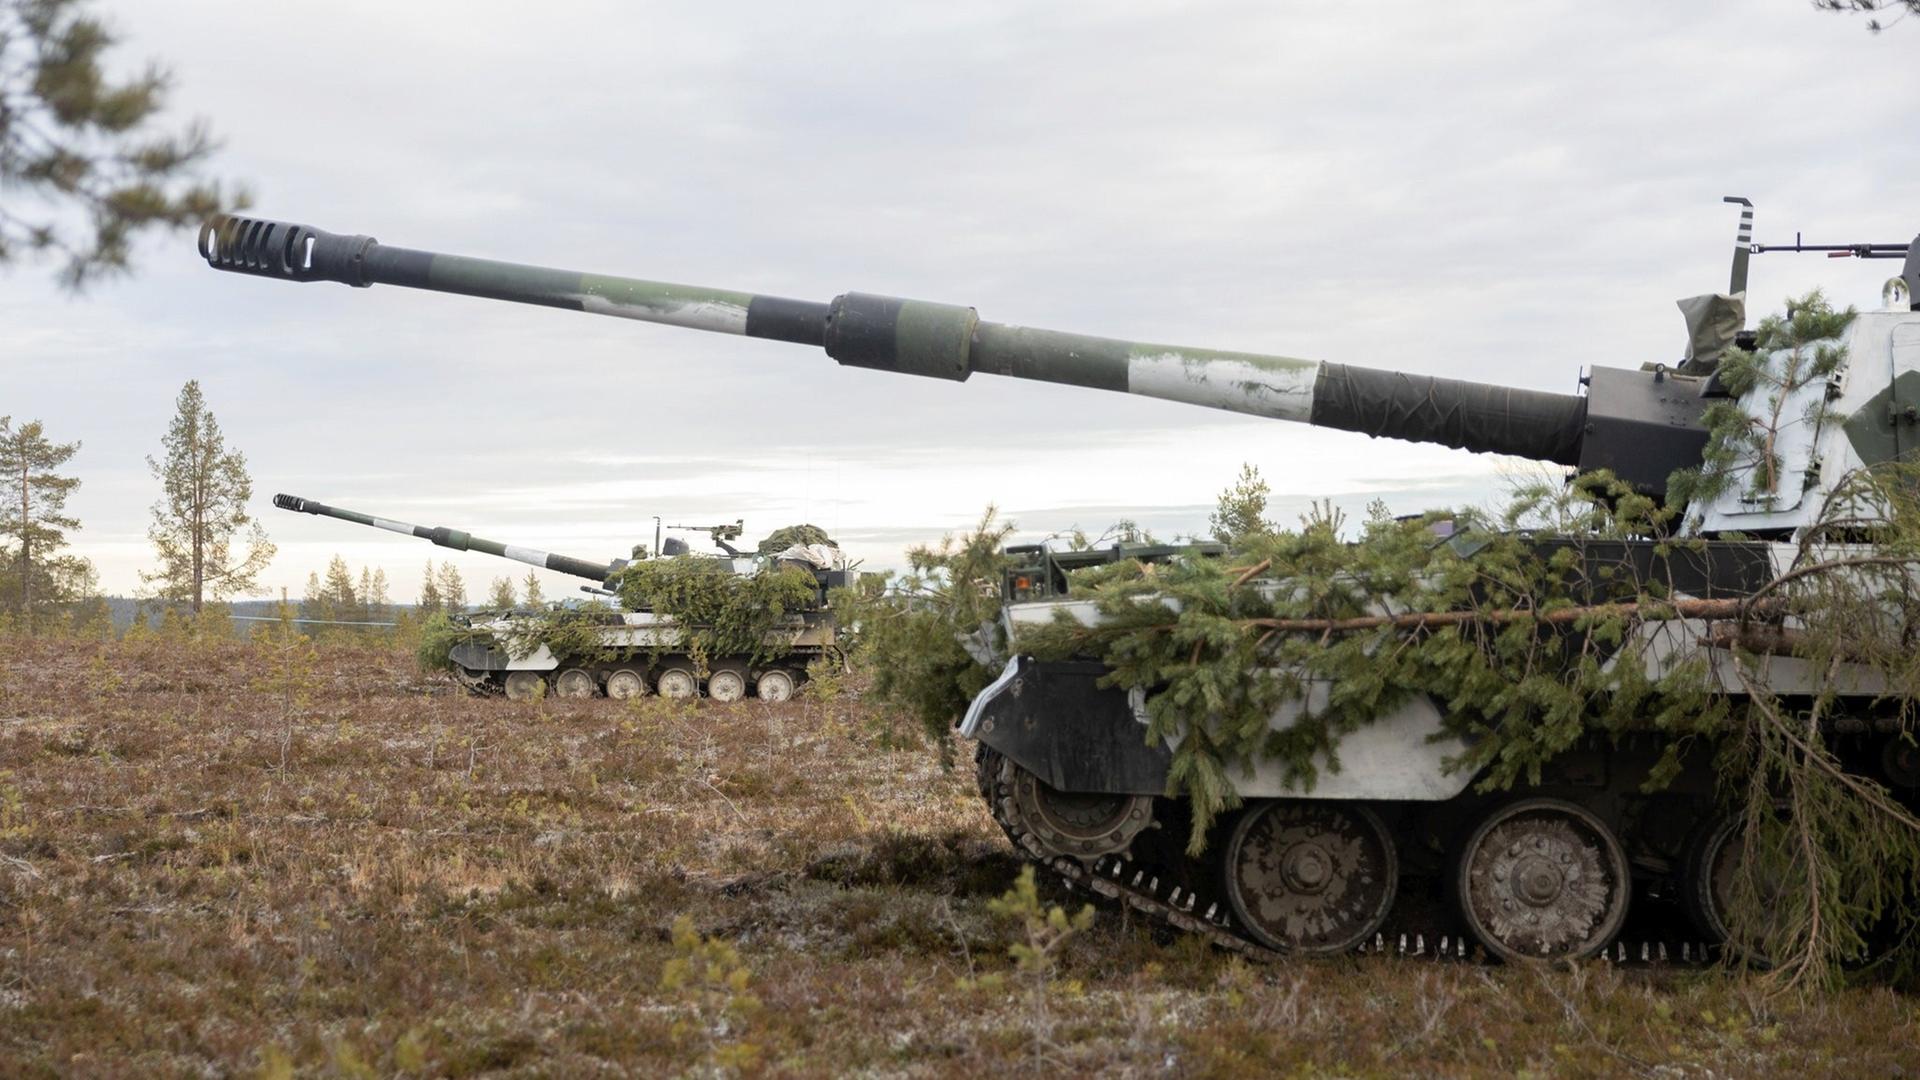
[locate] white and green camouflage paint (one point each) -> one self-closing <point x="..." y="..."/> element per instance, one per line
<point x="948" y="341"/>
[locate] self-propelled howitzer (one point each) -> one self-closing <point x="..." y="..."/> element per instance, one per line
<point x="1640" y="424"/>
<point x="584" y="652"/>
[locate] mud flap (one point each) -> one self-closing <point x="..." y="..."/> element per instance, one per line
<point x="1055" y="720"/>
<point x="478" y="657"/>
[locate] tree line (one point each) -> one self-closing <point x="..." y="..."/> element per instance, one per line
<point x="360" y="603"/>
<point x="207" y="547"/>
<point x="205" y="543"/>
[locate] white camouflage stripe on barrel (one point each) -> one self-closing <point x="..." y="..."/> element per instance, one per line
<point x="1274" y="386"/>
<point x="530" y="556"/>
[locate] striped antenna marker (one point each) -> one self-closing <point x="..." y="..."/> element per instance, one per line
<point x="1742" y="244"/>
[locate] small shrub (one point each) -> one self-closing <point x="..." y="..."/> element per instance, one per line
<point x="1041" y="931"/>
<point x="708" y="978"/>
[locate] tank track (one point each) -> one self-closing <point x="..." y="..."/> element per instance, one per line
<point x="1159" y="885"/>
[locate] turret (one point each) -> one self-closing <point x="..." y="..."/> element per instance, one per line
<point x="459" y="541"/>
<point x="1641" y="424"/>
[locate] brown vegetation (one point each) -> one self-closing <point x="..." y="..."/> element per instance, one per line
<point x="221" y="858"/>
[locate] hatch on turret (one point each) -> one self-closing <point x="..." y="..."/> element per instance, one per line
<point x="1865" y="413"/>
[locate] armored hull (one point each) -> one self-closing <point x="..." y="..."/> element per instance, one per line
<point x="629" y="654"/>
<point x="1394" y="842"/>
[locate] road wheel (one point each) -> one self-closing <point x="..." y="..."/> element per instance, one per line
<point x="678" y="684"/>
<point x="1709" y="877"/>
<point x="1542" y="879"/>
<point x="1084" y="825"/>
<point x="726" y="685"/>
<point x="626" y="683"/>
<point x="774" y="686"/>
<point x="1309" y="876"/>
<point x="526" y="685"/>
<point x="576" y="683"/>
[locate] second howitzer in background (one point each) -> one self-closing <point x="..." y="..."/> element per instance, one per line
<point x="634" y="649"/>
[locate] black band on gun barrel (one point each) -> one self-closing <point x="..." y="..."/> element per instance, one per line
<point x="1451" y="412"/>
<point x="567" y="564"/>
<point x="802" y="322"/>
<point x="907" y="337"/>
<point x="862" y="331"/>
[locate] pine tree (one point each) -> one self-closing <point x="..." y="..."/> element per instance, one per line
<point x="77" y="144"/>
<point x="430" y="598"/>
<point x="204" y="506"/>
<point x="313" y="601"/>
<point x="375" y="604"/>
<point x="1241" y="513"/>
<point x="453" y="591"/>
<point x="339" y="591"/>
<point x="33" y="522"/>
<point x="501" y="597"/>
<point x="531" y="590"/>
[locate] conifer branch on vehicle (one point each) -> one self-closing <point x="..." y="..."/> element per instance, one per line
<point x="1712" y="609"/>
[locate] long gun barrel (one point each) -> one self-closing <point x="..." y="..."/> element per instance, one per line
<point x="951" y="342"/>
<point x="457" y="540"/>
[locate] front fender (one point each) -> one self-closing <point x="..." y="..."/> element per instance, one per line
<point x="1055" y="720"/>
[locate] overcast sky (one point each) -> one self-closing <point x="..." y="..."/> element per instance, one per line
<point x="1493" y="191"/>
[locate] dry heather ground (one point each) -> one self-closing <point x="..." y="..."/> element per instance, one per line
<point x="214" y="862"/>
